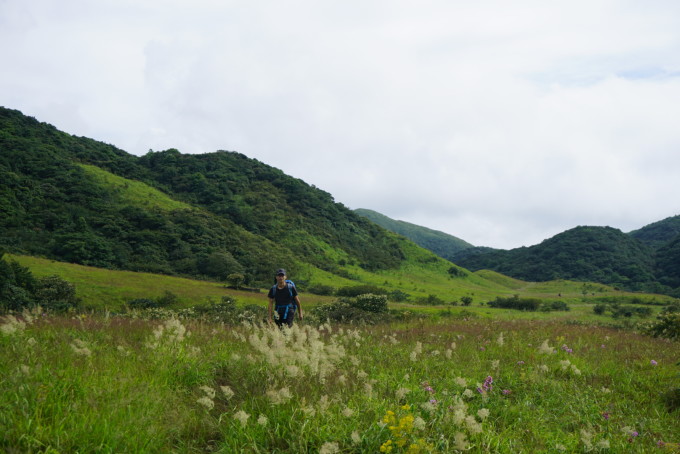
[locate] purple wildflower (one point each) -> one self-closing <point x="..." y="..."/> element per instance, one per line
<point x="506" y="391"/>
<point x="605" y="415"/>
<point x="653" y="363"/>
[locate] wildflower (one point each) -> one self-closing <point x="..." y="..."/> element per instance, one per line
<point x="653" y="363"/>
<point x="487" y="386"/>
<point x="387" y="446"/>
<point x="460" y="381"/>
<point x="242" y="417"/>
<point x="605" y="415"/>
<point x="329" y="448"/>
<point x="506" y="392"/>
<point x="520" y="363"/>
<point x="468" y="393"/>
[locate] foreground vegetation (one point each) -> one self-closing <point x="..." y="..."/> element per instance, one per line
<point x="114" y="384"/>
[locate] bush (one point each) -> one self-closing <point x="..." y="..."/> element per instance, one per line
<point x="398" y="296"/>
<point x="430" y="300"/>
<point x="325" y="290"/>
<point x="341" y="311"/>
<point x="515" y="302"/>
<point x="142" y="303"/>
<point x="370" y="303"/>
<point x="667" y="326"/>
<point x="600" y="308"/>
<point x="466" y="300"/>
<point x="223" y="312"/>
<point x="57" y="294"/>
<point x="357" y="290"/>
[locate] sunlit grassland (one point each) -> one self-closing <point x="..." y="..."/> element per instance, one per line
<point x="102" y="289"/>
<point x="135" y="193"/>
<point x="97" y="384"/>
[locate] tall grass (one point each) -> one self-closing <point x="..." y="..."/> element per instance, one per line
<point x="99" y="384"/>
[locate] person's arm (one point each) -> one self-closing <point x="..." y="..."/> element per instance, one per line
<point x="299" y="306"/>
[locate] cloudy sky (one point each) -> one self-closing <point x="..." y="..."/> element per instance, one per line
<point x="502" y="123"/>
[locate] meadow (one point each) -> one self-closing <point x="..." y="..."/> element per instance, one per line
<point x="97" y="383"/>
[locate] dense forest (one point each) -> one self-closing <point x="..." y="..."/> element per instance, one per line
<point x="78" y="200"/>
<point x="597" y="254"/>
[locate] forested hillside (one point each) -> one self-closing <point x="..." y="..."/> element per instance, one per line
<point x="598" y="254"/>
<point x="78" y="200"/>
<point x="442" y="244"/>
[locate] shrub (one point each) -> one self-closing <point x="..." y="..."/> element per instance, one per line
<point x="600" y="308"/>
<point x="370" y="303"/>
<point x="398" y="296"/>
<point x="515" y="302"/>
<point x="142" y="303"/>
<point x="430" y="300"/>
<point x="225" y="311"/>
<point x="57" y="294"/>
<point x="466" y="300"/>
<point x="357" y="290"/>
<point x="341" y="311"/>
<point x="667" y="326"/>
<point x="321" y="289"/>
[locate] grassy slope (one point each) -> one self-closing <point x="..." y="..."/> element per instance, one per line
<point x="107" y="289"/>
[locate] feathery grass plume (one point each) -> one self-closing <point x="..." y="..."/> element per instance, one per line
<point x="278" y="397"/>
<point x="448" y="353"/>
<point x="545" y="348"/>
<point x="495" y="363"/>
<point x="12" y="325"/>
<point x="206" y="402"/>
<point x="483" y="413"/>
<point x="329" y="448"/>
<point x="227" y="391"/>
<point x="31" y="342"/>
<point x="401" y="393"/>
<point x="587" y="439"/>
<point x="500" y="341"/>
<point x="25" y="369"/>
<point x="209" y="392"/>
<point x="262" y="420"/>
<point x="460" y="441"/>
<point x="460" y="381"/>
<point x="347" y="412"/>
<point x="419" y="423"/>
<point x="242" y="417"/>
<point x="79" y="347"/>
<point x="602" y="444"/>
<point x="356" y="438"/>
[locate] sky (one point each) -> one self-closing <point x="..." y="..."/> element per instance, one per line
<point x="501" y="123"/>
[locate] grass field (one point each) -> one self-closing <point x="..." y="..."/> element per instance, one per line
<point x="100" y="384"/>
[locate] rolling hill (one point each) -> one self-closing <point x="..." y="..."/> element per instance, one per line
<point x="442" y="244"/>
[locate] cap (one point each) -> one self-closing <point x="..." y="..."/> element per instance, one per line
<point x="280" y="271"/>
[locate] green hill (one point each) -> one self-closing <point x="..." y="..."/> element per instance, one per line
<point x="659" y="233"/>
<point x="81" y="201"/>
<point x="442" y="244"/>
<point x="598" y="254"/>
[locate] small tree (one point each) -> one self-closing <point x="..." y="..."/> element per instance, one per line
<point x="466" y="300"/>
<point x="236" y="280"/>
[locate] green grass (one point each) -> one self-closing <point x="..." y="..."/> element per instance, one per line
<point x="102" y="289"/>
<point x="100" y="384"/>
<point x="135" y="193"/>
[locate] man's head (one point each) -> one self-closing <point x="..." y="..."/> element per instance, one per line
<point x="281" y="272"/>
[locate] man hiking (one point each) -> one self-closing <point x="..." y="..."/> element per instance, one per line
<point x="285" y="297"/>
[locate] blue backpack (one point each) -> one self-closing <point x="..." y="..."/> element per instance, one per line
<point x="291" y="285"/>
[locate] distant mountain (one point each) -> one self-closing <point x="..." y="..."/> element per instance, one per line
<point x="598" y="254"/>
<point x="442" y="244"/>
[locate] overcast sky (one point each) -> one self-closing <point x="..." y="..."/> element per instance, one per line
<point x="502" y="123"/>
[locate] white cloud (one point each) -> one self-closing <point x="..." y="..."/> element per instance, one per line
<point x="502" y="125"/>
